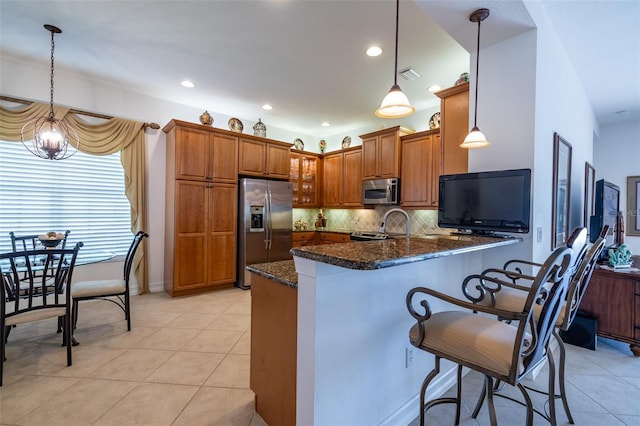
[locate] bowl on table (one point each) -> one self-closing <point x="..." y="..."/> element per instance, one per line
<point x="51" y="239"/>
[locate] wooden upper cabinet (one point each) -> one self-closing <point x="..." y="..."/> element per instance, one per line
<point x="332" y="180"/>
<point x="342" y="178"/>
<point x="304" y="175"/>
<point x="201" y="153"/>
<point x="224" y="158"/>
<point x="352" y="178"/>
<point x="381" y="153"/>
<point x="454" y="127"/>
<point x="264" y="158"/>
<point x="420" y="169"/>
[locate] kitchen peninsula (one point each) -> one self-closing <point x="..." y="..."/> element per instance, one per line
<point x="353" y="362"/>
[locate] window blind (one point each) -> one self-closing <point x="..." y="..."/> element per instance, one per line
<point x="83" y="194"/>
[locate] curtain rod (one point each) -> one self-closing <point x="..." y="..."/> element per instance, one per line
<point x="75" y="111"/>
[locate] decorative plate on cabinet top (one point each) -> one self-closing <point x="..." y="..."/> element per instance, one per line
<point x="434" y="121"/>
<point x="298" y="144"/>
<point x="346" y="142"/>
<point x="235" y="125"/>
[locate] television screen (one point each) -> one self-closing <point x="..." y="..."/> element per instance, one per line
<point x="486" y="202"/>
<point x="607" y="204"/>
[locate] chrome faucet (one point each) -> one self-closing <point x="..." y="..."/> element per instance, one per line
<point x="383" y="225"/>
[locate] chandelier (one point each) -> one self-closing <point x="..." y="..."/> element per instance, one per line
<point x="475" y="138"/>
<point x="52" y="138"/>
<point x="395" y="104"/>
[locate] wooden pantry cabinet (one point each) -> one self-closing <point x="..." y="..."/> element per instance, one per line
<point x="427" y="155"/>
<point x="264" y="158"/>
<point x="200" y="208"/>
<point x="304" y="175"/>
<point x="381" y="153"/>
<point x="454" y="127"/>
<point x="420" y="169"/>
<point x="342" y="178"/>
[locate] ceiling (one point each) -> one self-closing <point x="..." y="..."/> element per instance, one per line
<point x="307" y="57"/>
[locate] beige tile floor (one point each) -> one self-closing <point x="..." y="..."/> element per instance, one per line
<point x="186" y="362"/>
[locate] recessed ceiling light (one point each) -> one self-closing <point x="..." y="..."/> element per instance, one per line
<point x="326" y="124"/>
<point x="434" y="88"/>
<point x="267" y="107"/>
<point x="374" y="51"/>
<point x="187" y="83"/>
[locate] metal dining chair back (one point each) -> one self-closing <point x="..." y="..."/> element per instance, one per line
<point x="115" y="291"/>
<point x="30" y="295"/>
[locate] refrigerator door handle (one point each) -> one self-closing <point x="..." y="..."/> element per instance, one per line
<point x="269" y="222"/>
<point x="267" y="215"/>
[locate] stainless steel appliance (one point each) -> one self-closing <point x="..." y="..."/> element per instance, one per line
<point x="264" y="224"/>
<point x="381" y="191"/>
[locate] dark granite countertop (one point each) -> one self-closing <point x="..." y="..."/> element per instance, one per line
<point x="283" y="271"/>
<point x="370" y="255"/>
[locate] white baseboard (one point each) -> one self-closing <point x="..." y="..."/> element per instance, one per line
<point x="411" y="409"/>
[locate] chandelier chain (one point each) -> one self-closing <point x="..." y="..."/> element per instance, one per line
<point x="53" y="46"/>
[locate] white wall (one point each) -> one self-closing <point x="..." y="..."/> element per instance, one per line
<point x="616" y="155"/>
<point x="529" y="90"/>
<point x="506" y="96"/>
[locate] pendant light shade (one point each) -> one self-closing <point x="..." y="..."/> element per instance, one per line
<point x="395" y="104"/>
<point x="49" y="137"/>
<point x="475" y="138"/>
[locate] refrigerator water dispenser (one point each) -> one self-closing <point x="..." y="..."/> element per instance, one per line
<point x="257" y="219"/>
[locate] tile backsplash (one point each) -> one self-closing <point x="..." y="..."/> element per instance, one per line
<point x="422" y="221"/>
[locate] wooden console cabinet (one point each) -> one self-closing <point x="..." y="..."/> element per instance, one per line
<point x="614" y="299"/>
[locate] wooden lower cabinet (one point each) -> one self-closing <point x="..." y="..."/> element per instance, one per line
<point x="200" y="245"/>
<point x="313" y="238"/>
<point x="614" y="299"/>
<point x="304" y="238"/>
<point x="274" y="316"/>
<point x="332" y="237"/>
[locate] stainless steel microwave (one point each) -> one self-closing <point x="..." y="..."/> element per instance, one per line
<point x="381" y="191"/>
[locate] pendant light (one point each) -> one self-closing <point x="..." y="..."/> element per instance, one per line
<point x="475" y="138"/>
<point x="52" y="138"/>
<point x="395" y="104"/>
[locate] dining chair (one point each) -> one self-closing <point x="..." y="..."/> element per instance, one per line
<point x="508" y="352"/>
<point x="38" y="300"/>
<point x="115" y="291"/>
<point x="511" y="295"/>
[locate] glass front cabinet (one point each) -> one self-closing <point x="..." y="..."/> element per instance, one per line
<point x="304" y="175"/>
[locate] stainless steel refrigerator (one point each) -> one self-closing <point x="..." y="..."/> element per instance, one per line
<point x="264" y="224"/>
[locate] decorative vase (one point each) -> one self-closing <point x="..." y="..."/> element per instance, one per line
<point x="323" y="146"/>
<point x="259" y="129"/>
<point x="206" y="118"/>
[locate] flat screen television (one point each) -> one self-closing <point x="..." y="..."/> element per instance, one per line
<point x="607" y="205"/>
<point x="486" y="202"/>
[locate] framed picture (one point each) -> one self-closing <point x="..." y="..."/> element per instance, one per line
<point x="561" y="191"/>
<point x="633" y="210"/>
<point x="589" y="193"/>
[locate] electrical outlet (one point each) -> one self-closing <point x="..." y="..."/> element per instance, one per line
<point x="408" y="356"/>
<point x="539" y="232"/>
